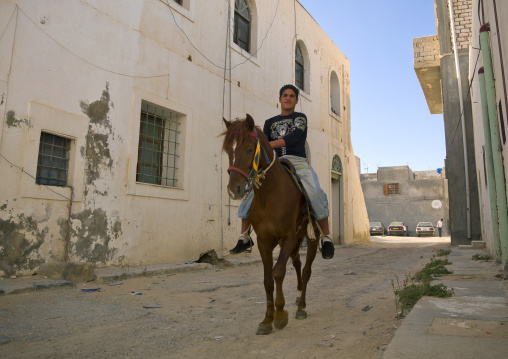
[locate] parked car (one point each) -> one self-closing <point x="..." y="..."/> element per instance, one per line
<point x="397" y="229"/>
<point x="424" y="229"/>
<point x="376" y="228"/>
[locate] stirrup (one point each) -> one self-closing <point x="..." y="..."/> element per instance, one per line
<point x="327" y="249"/>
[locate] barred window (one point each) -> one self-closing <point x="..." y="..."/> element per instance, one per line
<point x="53" y="160"/>
<point x="391" y="188"/>
<point x="299" y="66"/>
<point x="158" y="149"/>
<point x="241" y="35"/>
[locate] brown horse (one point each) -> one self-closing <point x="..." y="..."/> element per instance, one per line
<point x="275" y="215"/>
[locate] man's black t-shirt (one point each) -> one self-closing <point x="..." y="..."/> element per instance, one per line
<point x="292" y="129"/>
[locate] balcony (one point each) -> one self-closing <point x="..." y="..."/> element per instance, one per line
<point x="427" y="68"/>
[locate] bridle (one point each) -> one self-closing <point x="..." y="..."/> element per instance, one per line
<point x="256" y="174"/>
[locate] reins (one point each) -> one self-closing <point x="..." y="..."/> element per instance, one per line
<point x="256" y="174"/>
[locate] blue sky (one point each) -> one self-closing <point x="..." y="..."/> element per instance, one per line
<point x="390" y="122"/>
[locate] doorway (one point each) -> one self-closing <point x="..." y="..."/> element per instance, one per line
<point x="337" y="201"/>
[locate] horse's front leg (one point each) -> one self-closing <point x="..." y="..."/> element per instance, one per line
<point x="279" y="272"/>
<point x="265" y="327"/>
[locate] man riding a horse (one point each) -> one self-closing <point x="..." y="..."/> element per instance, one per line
<point x="287" y="134"/>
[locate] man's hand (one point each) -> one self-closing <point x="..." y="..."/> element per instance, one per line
<point x="278" y="143"/>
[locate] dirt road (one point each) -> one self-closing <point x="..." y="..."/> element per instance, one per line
<point x="214" y="314"/>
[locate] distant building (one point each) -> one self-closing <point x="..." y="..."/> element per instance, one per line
<point x="399" y="194"/>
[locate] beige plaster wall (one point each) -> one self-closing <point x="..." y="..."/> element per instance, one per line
<point x="80" y="69"/>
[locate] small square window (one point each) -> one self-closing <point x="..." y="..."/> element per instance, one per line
<point x="179" y="2"/>
<point x="53" y="161"/>
<point x="391" y="188"/>
<point x="159" y="147"/>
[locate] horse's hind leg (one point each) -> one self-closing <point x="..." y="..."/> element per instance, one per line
<point x="307" y="271"/>
<point x="297" y="263"/>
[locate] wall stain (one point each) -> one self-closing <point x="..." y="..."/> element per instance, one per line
<point x="16" y="251"/>
<point x="91" y="230"/>
<point x="12" y="121"/>
<point x="97" y="153"/>
<point x="91" y="235"/>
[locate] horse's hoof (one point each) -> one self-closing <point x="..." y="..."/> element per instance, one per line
<point x="263" y="330"/>
<point x="301" y="314"/>
<point x="280" y="324"/>
<point x="280" y="319"/>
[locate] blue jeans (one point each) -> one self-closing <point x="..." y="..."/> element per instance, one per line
<point x="317" y="196"/>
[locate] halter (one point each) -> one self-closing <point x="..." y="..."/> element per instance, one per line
<point x="256" y="174"/>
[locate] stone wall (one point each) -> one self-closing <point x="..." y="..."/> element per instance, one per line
<point x="425" y="49"/>
<point x="462" y="12"/>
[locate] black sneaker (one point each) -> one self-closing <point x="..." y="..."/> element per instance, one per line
<point x="241" y="246"/>
<point x="327" y="249"/>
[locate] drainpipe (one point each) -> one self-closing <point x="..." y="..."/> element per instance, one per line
<point x="461" y="102"/>
<point x="496" y="145"/>
<point x="490" y="164"/>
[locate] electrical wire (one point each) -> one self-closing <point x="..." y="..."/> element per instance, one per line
<point x="229" y="20"/>
<point x="28" y="174"/>
<point x="82" y="58"/>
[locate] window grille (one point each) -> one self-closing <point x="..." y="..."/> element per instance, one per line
<point x="391" y="188"/>
<point x="53" y="160"/>
<point x="243" y="19"/>
<point x="158" y="150"/>
<point x="299" y="66"/>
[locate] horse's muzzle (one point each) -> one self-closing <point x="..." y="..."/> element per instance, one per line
<point x="237" y="181"/>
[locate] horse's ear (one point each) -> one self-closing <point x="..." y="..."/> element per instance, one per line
<point x="250" y="122"/>
<point x="226" y="122"/>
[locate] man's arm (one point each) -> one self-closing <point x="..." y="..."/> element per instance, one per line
<point x="278" y="143"/>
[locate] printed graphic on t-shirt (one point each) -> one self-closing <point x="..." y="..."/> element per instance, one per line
<point x="281" y="128"/>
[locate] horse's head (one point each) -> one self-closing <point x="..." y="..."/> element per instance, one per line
<point x="240" y="145"/>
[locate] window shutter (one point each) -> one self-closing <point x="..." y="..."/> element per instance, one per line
<point x="385" y="188"/>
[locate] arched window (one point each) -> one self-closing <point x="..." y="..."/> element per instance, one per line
<point x="299" y="68"/>
<point x="334" y="93"/>
<point x="243" y="18"/>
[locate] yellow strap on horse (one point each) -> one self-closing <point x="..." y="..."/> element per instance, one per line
<point x="255" y="164"/>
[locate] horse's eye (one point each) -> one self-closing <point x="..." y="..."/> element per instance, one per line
<point x="250" y="150"/>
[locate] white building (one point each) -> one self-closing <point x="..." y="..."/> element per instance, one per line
<point x="490" y="19"/>
<point x="123" y="102"/>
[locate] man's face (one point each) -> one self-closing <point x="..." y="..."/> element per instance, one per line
<point x="288" y="100"/>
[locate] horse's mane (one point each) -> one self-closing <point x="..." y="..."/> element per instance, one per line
<point x="239" y="131"/>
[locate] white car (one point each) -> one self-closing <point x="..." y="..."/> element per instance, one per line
<point x="425" y="229"/>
